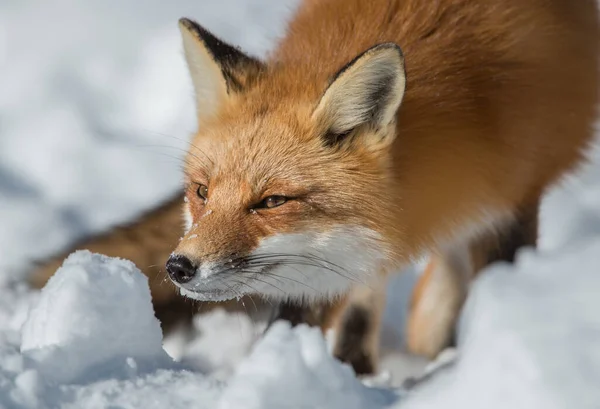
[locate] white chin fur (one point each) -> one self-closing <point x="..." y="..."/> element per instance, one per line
<point x="334" y="261"/>
<point x="208" y="296"/>
<point x="354" y="255"/>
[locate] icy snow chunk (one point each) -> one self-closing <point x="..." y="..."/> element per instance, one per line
<point x="93" y="315"/>
<point x="291" y="368"/>
<point x="15" y="301"/>
<point x="528" y="338"/>
<point x="29" y="389"/>
<point x="222" y="341"/>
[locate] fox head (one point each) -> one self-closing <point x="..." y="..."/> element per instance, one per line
<point x="287" y="178"/>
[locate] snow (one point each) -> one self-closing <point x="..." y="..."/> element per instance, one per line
<point x="162" y="389"/>
<point x="95" y="110"/>
<point x="235" y="333"/>
<point x="90" y="331"/>
<point x="263" y="379"/>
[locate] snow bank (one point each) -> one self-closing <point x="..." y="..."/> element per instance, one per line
<point x="94" y="315"/>
<point x="529" y="337"/>
<point x="91" y="340"/>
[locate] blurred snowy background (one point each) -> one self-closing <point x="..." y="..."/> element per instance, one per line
<point x="95" y="111"/>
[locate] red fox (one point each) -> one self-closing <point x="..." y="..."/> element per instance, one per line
<point x="376" y="132"/>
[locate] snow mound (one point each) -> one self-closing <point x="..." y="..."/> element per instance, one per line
<point x="528" y="337"/>
<point x="291" y="368"/>
<point x="94" y="313"/>
<point x="220" y="341"/>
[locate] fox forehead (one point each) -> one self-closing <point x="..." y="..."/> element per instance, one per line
<point x="261" y="148"/>
<point x="245" y="156"/>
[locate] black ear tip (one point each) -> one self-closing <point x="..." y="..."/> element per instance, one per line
<point x="188" y="24"/>
<point x="197" y="30"/>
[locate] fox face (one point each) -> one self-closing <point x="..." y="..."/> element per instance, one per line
<point x="286" y="191"/>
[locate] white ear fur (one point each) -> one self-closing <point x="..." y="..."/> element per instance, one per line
<point x="368" y="90"/>
<point x="207" y="77"/>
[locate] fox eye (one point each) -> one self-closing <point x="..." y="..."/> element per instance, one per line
<point x="202" y="192"/>
<point x="272" y="201"/>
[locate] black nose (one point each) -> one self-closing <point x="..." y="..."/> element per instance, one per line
<point x="180" y="268"/>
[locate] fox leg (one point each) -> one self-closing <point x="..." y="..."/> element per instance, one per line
<point x="358" y="327"/>
<point x="442" y="288"/>
<point x="503" y="245"/>
<point x="436" y="302"/>
<point x="317" y="314"/>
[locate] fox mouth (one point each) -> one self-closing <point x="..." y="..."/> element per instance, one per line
<point x="217" y="294"/>
<point x="231" y="286"/>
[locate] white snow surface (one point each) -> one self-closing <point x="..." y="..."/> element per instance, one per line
<point x="95" y="111"/>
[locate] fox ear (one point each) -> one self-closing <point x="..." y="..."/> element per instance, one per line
<point x="217" y="69"/>
<point x="367" y="91"/>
